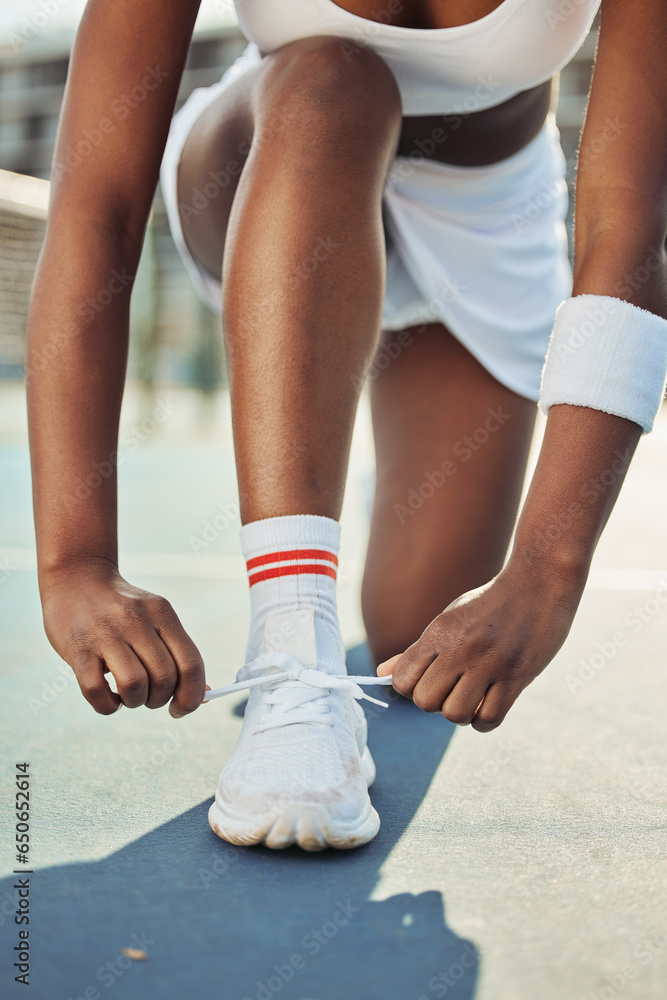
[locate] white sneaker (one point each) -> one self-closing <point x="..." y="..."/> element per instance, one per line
<point x="301" y="769"/>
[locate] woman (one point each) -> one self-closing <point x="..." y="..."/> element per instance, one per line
<point x="276" y="179"/>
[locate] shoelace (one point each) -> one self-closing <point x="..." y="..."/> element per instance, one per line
<point x="297" y="693"/>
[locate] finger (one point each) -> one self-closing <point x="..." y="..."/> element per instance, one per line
<point x="434" y="685"/>
<point x="191" y="683"/>
<point x="159" y="665"/>
<point x="191" y="680"/>
<point x="89" y="673"/>
<point x="387" y="667"/>
<point x="409" y="666"/>
<point x="129" y="673"/>
<point x="496" y="704"/>
<point x="464" y="699"/>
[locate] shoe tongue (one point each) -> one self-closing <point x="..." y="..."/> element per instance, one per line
<point x="292" y="632"/>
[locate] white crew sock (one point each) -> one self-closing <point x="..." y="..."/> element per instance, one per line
<point x="292" y="563"/>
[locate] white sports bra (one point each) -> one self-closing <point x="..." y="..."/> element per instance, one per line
<point x="467" y="68"/>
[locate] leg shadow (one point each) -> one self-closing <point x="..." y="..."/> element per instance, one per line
<point x="230" y="923"/>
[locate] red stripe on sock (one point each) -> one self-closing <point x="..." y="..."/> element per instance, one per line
<point x="291" y="570"/>
<point x="293" y="554"/>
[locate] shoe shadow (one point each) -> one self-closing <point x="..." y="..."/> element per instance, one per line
<point x="226" y="923"/>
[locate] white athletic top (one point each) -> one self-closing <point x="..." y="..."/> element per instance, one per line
<point x="519" y="45"/>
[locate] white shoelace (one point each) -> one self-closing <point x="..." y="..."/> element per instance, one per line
<point x="296" y="693"/>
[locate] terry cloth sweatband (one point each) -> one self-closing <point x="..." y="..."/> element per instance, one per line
<point x="609" y="355"/>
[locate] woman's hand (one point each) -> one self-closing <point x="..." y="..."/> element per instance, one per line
<point x="97" y="622"/>
<point x="475" y="659"/>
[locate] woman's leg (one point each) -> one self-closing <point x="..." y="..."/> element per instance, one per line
<point x="302" y="252"/>
<point x="303" y="268"/>
<point x="451" y="445"/>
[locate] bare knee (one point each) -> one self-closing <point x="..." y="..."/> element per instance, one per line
<point x="326" y="87"/>
<point x="384" y="641"/>
<point x="391" y="624"/>
<point x="399" y="600"/>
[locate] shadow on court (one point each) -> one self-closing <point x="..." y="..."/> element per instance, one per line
<point x="225" y="923"/>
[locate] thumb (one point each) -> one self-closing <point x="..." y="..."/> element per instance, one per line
<point x="386" y="668"/>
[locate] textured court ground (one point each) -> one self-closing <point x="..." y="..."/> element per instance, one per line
<point x="527" y="864"/>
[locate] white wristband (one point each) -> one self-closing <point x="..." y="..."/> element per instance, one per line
<point x="609" y="355"/>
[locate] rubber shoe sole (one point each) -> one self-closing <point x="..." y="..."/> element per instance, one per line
<point x="308" y="825"/>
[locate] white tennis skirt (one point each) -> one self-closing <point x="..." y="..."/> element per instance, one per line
<point x="482" y="250"/>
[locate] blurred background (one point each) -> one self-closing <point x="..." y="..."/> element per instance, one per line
<point x="175" y="436"/>
<point x="549" y="865"/>
<point x="175" y="339"/>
